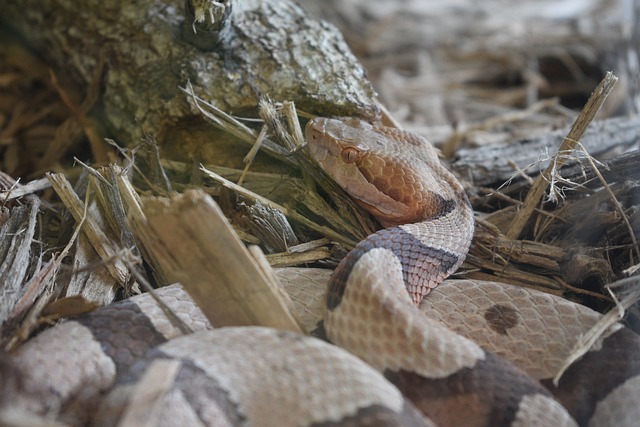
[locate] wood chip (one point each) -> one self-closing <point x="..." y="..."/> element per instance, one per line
<point x="188" y="240"/>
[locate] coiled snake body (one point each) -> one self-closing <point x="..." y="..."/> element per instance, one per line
<point x="417" y="372"/>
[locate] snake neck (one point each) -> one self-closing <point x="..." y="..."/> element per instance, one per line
<point x="428" y="252"/>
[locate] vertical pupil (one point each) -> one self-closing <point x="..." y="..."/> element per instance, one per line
<point x="349" y="155"/>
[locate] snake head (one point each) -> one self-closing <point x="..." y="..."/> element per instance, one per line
<point x="394" y="174"/>
<point x="365" y="163"/>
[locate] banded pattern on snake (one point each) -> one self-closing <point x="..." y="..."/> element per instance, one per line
<point x="420" y="369"/>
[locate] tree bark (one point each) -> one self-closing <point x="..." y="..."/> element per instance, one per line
<point x="266" y="48"/>
<point x="494" y="164"/>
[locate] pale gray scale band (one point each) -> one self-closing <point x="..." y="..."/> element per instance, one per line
<point x="258" y="390"/>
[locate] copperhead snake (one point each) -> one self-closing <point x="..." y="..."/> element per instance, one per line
<point x="421" y="369"/>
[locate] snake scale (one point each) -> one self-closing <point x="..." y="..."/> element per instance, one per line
<point x="472" y="354"/>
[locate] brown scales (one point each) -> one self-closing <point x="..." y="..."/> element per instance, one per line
<point x="425" y="259"/>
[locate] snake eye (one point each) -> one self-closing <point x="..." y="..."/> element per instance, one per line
<point x="350" y="155"/>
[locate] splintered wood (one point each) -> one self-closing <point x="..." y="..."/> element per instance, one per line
<point x="188" y="240"/>
<point x="568" y="145"/>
